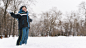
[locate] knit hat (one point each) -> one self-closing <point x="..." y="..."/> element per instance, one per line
<point x="22" y="7"/>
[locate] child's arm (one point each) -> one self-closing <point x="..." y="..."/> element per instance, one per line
<point x="15" y="15"/>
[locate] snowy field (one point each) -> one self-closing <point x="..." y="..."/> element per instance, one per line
<point x="46" y="42"/>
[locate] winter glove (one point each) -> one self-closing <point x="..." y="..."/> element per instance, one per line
<point x="30" y="20"/>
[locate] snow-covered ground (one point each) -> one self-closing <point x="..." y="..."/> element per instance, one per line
<point x="46" y="42"/>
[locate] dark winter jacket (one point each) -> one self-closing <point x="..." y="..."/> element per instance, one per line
<point x="23" y="21"/>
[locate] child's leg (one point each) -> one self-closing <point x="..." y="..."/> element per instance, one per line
<point x="21" y="36"/>
<point x="26" y="36"/>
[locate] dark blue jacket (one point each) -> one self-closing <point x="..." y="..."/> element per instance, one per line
<point x="22" y="20"/>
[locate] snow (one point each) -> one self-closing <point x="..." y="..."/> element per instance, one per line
<point x="46" y="42"/>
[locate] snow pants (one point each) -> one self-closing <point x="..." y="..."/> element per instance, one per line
<point x="23" y="36"/>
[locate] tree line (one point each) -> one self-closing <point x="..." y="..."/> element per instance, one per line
<point x="50" y="23"/>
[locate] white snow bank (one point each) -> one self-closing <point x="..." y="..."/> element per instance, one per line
<point x="46" y="42"/>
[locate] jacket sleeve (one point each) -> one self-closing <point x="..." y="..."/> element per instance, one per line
<point x="15" y="15"/>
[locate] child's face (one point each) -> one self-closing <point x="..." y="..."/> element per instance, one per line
<point x="24" y="9"/>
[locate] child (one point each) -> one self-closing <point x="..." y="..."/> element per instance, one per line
<point x="23" y="23"/>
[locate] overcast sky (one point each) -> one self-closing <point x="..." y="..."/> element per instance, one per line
<point x="62" y="5"/>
